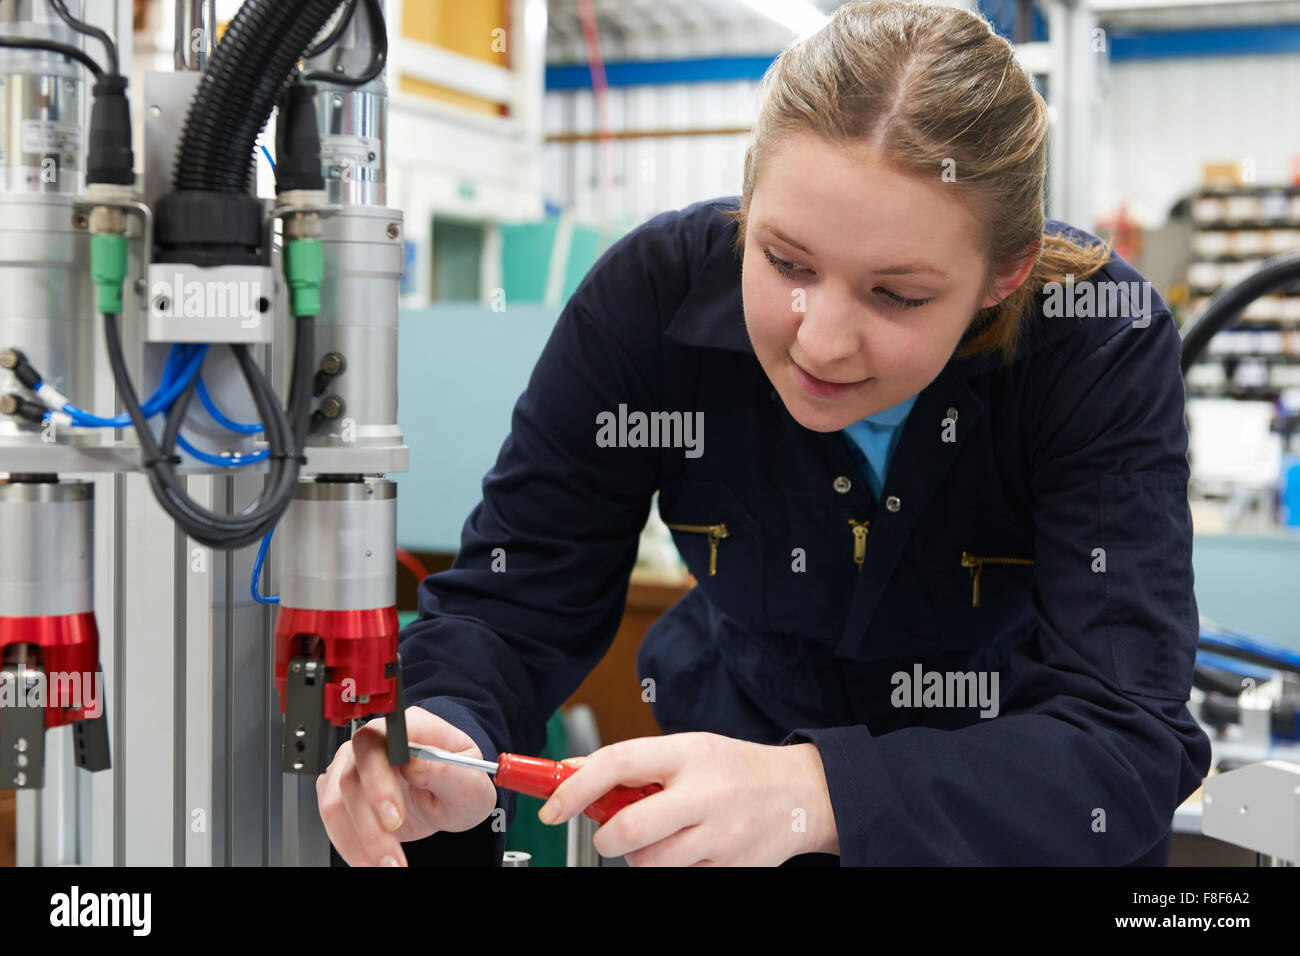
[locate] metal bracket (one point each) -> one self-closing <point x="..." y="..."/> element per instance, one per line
<point x="90" y="742"/>
<point x="398" y="753"/>
<point x="306" y="744"/>
<point x="22" y="731"/>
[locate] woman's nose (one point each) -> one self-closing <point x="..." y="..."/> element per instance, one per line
<point x="829" y="335"/>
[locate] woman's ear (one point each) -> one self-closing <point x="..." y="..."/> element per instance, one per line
<point x="1008" y="279"/>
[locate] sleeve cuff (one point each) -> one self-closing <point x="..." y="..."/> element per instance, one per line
<point x="849" y="756"/>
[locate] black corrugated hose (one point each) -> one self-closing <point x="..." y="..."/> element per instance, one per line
<point x="239" y="88"/>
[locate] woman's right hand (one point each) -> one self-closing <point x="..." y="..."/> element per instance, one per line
<point x="371" y="808"/>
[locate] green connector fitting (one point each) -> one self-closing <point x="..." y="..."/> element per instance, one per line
<point x="304" y="270"/>
<point x="108" y="255"/>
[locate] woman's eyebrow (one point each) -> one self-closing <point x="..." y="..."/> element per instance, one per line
<point x="906" y="268"/>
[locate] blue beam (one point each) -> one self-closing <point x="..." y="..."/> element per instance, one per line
<point x="1219" y="41"/>
<point x="716" y="69"/>
<point x="1123" y="45"/>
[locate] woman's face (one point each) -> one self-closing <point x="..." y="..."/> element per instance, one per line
<point x="858" y="281"/>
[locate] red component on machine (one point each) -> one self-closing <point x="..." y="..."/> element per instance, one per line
<point x="69" y="646"/>
<point x="359" y="646"/>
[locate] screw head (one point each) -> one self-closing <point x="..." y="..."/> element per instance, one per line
<point x="296" y="668"/>
<point x="80" y="220"/>
<point x="394" y="230"/>
<point x="332" y="363"/>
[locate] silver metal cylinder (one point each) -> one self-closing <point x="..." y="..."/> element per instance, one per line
<point x="47" y="560"/>
<point x="196" y="33"/>
<point x="516" y="858"/>
<point x="41" y="141"/>
<point x="363" y="270"/>
<point x="353" y="121"/>
<point x="46" y="306"/>
<point x="336" y="546"/>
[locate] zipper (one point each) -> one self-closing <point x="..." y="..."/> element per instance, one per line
<point x="716" y="533"/>
<point x="976" y="564"/>
<point x="859" y="541"/>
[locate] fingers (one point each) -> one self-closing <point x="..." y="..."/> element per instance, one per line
<point x="629" y="763"/>
<point x="649" y="824"/>
<point x="684" y="848"/>
<point x="378" y="779"/>
<point x="359" y="838"/>
<point x="382" y="848"/>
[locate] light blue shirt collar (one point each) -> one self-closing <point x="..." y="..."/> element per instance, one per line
<point x="893" y="416"/>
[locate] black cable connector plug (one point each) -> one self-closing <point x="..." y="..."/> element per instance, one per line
<point x="15" y="361"/>
<point x="109" y="158"/>
<point x="332" y="365"/>
<point x="297" y="141"/>
<point x="19" y="407"/>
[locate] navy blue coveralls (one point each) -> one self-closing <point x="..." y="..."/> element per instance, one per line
<point x="1077" y="444"/>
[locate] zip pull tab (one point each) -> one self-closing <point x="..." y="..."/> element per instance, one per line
<point x="859" y="542"/>
<point x="976" y="565"/>
<point x="716" y="533"/>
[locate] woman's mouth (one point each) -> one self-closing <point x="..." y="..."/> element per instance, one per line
<point x="820" y="388"/>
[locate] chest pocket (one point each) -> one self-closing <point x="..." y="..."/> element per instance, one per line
<point x="721" y="543"/>
<point x="980" y="578"/>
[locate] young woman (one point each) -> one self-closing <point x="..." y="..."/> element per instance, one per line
<point x="933" y="493"/>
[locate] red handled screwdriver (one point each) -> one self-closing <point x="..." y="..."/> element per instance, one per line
<point x="538" y="777"/>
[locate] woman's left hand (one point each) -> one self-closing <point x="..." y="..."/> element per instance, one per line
<point x="725" y="802"/>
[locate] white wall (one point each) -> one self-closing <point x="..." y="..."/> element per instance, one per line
<point x="650" y="174"/>
<point x="1164" y="118"/>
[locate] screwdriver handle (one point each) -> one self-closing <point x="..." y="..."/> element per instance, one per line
<point x="539" y="777"/>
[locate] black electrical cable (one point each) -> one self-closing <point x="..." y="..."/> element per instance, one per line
<point x="285" y="433"/>
<point x="1227" y="304"/>
<point x="85" y="29"/>
<point x="52" y="46"/>
<point x="334" y="35"/>
<point x="378" y="53"/>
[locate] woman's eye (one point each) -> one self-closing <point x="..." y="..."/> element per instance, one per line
<point x="787" y="269"/>
<point x="901" y="302"/>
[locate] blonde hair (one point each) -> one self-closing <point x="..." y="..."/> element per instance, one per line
<point x="939" y="91"/>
